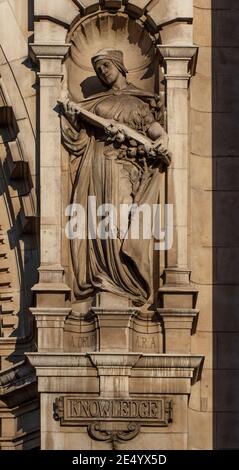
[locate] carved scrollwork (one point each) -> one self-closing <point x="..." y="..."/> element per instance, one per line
<point x="97" y="432"/>
<point x="58" y="408"/>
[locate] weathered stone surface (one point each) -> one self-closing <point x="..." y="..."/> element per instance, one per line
<point x="207" y="4"/>
<point x="202" y="27"/>
<point x="137" y="6"/>
<point x="11" y="34"/>
<point x="163" y="11"/>
<point x="201" y="136"/>
<point x="202" y="203"/>
<point x="177" y="33"/>
<point x="205" y="88"/>
<point x="200" y="439"/>
<point x="202" y="342"/>
<point x="62" y="10"/>
<point x="89" y="5"/>
<point x="201" y="263"/>
<point x="22" y="15"/>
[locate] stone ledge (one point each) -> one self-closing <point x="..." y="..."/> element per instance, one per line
<point x="158" y="365"/>
<point x="48" y="50"/>
<point x="51" y="287"/>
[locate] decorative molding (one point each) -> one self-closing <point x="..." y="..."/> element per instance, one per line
<point x="97" y="432"/>
<point x="148" y="365"/>
<point x="114" y="419"/>
<point x="182" y="316"/>
<point x="48" y="51"/>
<point x="180" y="53"/>
<point x="18" y="384"/>
<point x="156" y="15"/>
<point x="80" y="410"/>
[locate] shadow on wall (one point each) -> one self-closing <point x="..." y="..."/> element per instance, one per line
<point x="225" y="151"/>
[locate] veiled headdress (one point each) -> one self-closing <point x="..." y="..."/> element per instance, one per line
<point x="116" y="56"/>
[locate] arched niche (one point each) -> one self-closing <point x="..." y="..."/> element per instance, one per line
<point x="171" y="18"/>
<point x="87" y="26"/>
<point x="156" y="14"/>
<point x="117" y="30"/>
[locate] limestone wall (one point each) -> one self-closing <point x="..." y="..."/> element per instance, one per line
<point x="201" y="225"/>
<point x="214" y="223"/>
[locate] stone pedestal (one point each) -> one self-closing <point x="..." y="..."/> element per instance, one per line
<point x="114" y="398"/>
<point x="121" y="401"/>
<point x="113" y="328"/>
<point x="50" y="328"/>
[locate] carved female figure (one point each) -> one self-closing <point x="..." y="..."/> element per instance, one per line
<point x="118" y="148"/>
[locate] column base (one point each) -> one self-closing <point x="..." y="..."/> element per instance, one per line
<point x="51" y="294"/>
<point x="177" y="291"/>
<point x="178" y="326"/>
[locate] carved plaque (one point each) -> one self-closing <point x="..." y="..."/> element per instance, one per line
<point x="81" y="411"/>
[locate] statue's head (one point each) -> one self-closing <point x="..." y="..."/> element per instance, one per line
<point x="108" y="64"/>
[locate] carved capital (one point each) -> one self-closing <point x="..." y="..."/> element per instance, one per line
<point x="48" y="51"/>
<point x="180" y="59"/>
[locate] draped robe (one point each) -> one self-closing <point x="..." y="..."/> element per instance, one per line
<point x="120" y="266"/>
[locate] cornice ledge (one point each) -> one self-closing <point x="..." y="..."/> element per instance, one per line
<point x="114" y="359"/>
<point x="58" y="360"/>
<point x="50" y="312"/>
<point x="174" y="364"/>
<point x="48" y="50"/>
<point x="180" y="52"/>
<point x="169" y="51"/>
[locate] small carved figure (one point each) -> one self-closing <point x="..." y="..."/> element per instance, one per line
<point x="118" y="147"/>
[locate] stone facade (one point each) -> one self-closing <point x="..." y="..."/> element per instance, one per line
<point x="111" y="344"/>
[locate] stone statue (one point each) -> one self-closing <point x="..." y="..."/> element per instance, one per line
<point x="118" y="147"/>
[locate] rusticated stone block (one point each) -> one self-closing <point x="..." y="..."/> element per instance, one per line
<point x="63" y="10"/>
<point x="137" y="6"/>
<point x="202" y="27"/>
<point x="89" y="6"/>
<point x="165" y="11"/>
<point x="207" y="4"/>
<point x="200" y="435"/>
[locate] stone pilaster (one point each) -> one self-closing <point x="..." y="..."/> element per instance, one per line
<point x="179" y="62"/>
<point x="50" y="58"/>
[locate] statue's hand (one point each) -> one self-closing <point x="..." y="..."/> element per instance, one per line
<point x="163" y="155"/>
<point x="114" y="133"/>
<point x="70" y="108"/>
